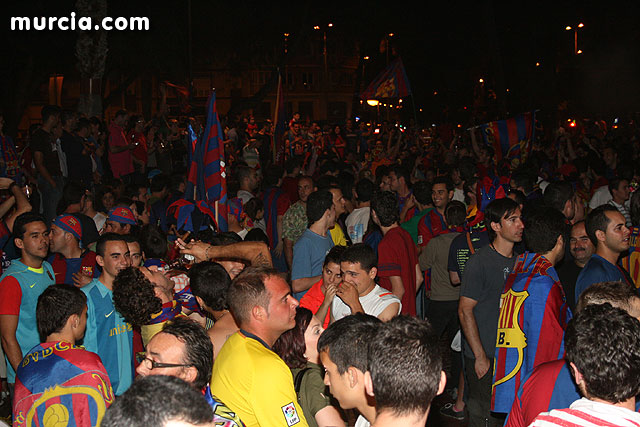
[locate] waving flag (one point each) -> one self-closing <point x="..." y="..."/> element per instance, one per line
<point x="512" y="138"/>
<point x="207" y="179"/>
<point x="392" y="82"/>
<point x="277" y="146"/>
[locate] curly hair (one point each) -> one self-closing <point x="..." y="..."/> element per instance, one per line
<point x="291" y="345"/>
<point x="210" y="281"/>
<point x="603" y="343"/>
<point x="385" y="204"/>
<point x="134" y="297"/>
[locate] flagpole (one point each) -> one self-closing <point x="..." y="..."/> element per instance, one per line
<point x="217" y="215"/>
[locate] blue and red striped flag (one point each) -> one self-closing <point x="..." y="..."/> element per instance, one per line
<point x="512" y="138"/>
<point x="392" y="82"/>
<point x="280" y="122"/>
<point x="194" y="166"/>
<point x="214" y="174"/>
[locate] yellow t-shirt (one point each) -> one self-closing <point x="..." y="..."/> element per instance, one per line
<point x="337" y="235"/>
<point x="256" y="384"/>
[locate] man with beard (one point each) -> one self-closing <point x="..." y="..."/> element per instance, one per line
<point x="581" y="250"/>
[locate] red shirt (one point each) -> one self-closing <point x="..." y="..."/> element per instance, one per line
<point x="121" y="163"/>
<point x="290" y="186"/>
<point x="10" y="296"/>
<point x="313" y="300"/>
<point x="398" y="256"/>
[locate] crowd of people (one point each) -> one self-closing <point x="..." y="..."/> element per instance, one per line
<point x="353" y="252"/>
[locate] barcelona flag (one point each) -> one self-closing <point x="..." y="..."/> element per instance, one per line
<point x="512" y="138"/>
<point x="207" y="172"/>
<point x="392" y="82"/>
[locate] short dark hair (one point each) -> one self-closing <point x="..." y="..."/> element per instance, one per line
<point x="317" y="204"/>
<point x="334" y="255"/>
<point x="422" y="192"/>
<point x="272" y="175"/>
<point x="153" y="241"/>
<point x="524" y="179"/>
<point x="243" y="172"/>
<point x="20" y="224"/>
<point x="497" y="210"/>
<point x="385" y="205"/>
<point x="210" y="281"/>
<point x="198" y="349"/>
<point x="156" y="399"/>
<point x="542" y="230"/>
<point x="159" y="183"/>
<point x="609" y="362"/>
<point x="618" y="294"/>
<point x="291" y="346"/>
<point x="598" y="220"/>
<point x="346" y="341"/>
<point x="405" y="363"/>
<point x="614" y="183"/>
<point x="55" y="305"/>
<point x="107" y="237"/>
<point x="121" y="113"/>
<point x="50" y="110"/>
<point x="247" y="291"/>
<point x="252" y="207"/>
<point x="364" y="190"/>
<point x="134" y="296"/>
<point x="402" y="172"/>
<point x="455" y="213"/>
<point x="360" y="253"/>
<point x="557" y="194"/>
<point x="443" y="179"/>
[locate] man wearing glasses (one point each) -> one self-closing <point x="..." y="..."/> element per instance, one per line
<point x="183" y="350"/>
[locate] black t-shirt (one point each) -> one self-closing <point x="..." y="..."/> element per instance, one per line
<point x="568" y="274"/>
<point x="42" y="141"/>
<point x="459" y="251"/>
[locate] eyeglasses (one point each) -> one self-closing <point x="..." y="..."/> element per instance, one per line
<point x="151" y="364"/>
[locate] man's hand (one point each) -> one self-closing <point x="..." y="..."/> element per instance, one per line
<point x="277" y="251"/>
<point x="349" y="294"/>
<point x="81" y="279"/>
<point x="330" y="292"/>
<point x="5" y="183"/>
<point x="482" y="366"/>
<point x="200" y="250"/>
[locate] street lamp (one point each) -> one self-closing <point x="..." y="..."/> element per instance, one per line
<point x="575" y="37"/>
<point x="326" y="67"/>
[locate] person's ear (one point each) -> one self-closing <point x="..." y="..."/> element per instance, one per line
<point x="600" y="235"/>
<point x="100" y="260"/>
<point x="18" y="243"/>
<point x="578" y="378"/>
<point x="353" y="376"/>
<point x="74" y="321"/>
<point x="443" y="383"/>
<point x="368" y="384"/>
<point x="373" y="273"/>
<point x="191" y="373"/>
<point x="258" y="312"/>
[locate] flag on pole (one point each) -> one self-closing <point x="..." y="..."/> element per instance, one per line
<point x="280" y="123"/>
<point x="214" y="175"/>
<point x="512" y="138"/>
<point x="182" y="94"/>
<point x="392" y="82"/>
<point x="194" y="166"/>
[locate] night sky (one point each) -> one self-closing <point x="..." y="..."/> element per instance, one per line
<point x="446" y="47"/>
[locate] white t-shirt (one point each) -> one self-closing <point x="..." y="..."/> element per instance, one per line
<point x="245" y="196"/>
<point x="600" y="197"/>
<point x="373" y="303"/>
<point x="357" y="223"/>
<point x="362" y="422"/>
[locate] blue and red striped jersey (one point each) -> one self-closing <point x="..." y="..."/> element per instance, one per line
<point x="58" y="383"/>
<point x="533" y="317"/>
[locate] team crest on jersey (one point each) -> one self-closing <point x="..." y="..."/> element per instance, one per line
<point x="87" y="270"/>
<point x="510" y="335"/>
<point x="290" y="414"/>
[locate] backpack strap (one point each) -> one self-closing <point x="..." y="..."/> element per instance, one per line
<point x="470" y="244"/>
<point x="297" y="382"/>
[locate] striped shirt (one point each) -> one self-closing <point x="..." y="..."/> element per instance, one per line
<point x="587" y="413"/>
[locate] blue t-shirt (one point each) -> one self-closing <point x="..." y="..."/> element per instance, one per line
<point x="599" y="270"/>
<point x="109" y="336"/>
<point x="308" y="256"/>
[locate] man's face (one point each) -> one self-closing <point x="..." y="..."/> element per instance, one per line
<point x="354" y="274"/>
<point x="394" y="182"/>
<point x="116" y="257"/>
<point x="305" y="188"/>
<point x="440" y="195"/>
<point x="339" y="385"/>
<point x="165" y="348"/>
<point x="115" y="227"/>
<point x="385" y="183"/>
<point x="296" y="128"/>
<point x="157" y="277"/>
<point x="135" y="253"/>
<point x="331" y="274"/>
<point x="232" y="267"/>
<point x="511" y="227"/>
<point x="57" y="240"/>
<point x="338" y="201"/>
<point x="580" y="245"/>
<point x="622" y="192"/>
<point x="35" y="242"/>
<point x="617" y="233"/>
<point x="281" y="315"/>
<point x="253" y="180"/>
<point x="609" y="157"/>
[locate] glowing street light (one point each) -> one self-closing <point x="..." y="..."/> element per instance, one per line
<point x="373" y="102"/>
<point x="575" y="36"/>
<point x="316" y="27"/>
<point x="481" y="81"/>
<point x="537" y="64"/>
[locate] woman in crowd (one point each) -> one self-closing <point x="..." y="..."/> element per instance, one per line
<point x="298" y="348"/>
